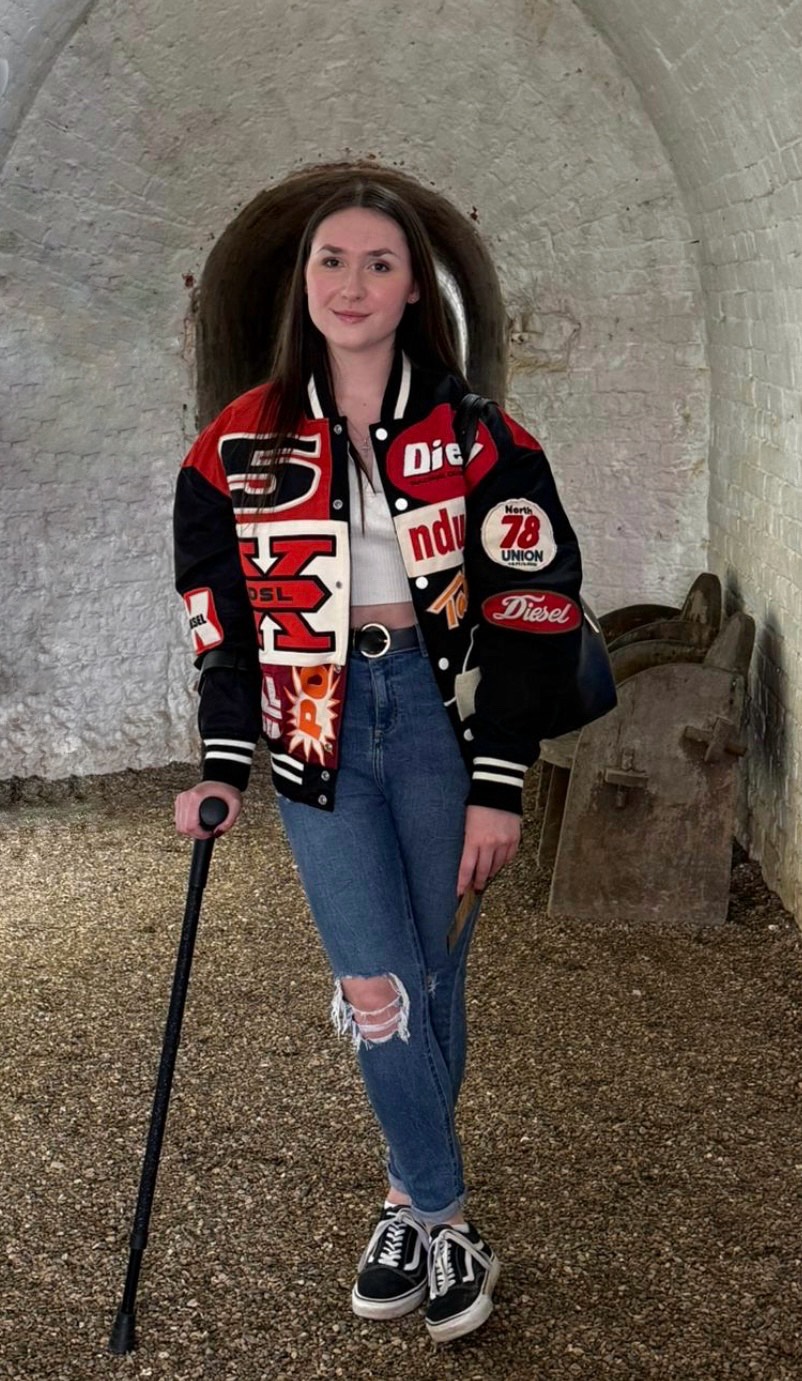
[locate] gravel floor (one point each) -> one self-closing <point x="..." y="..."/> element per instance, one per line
<point x="631" y="1118"/>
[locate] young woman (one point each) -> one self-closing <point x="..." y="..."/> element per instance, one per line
<point x="399" y="622"/>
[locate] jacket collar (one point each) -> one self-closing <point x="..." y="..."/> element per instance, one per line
<point x="396" y="395"/>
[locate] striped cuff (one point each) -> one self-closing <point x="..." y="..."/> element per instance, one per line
<point x="228" y="760"/>
<point x="498" y="784"/>
<point x="287" y="769"/>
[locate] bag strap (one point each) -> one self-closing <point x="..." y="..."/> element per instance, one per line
<point x="466" y="420"/>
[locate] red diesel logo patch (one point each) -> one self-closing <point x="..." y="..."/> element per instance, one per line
<point x="425" y="461"/>
<point x="533" y="611"/>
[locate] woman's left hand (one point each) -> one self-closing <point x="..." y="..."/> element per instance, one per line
<point x="491" y="840"/>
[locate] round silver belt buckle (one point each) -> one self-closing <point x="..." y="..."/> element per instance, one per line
<point x="380" y="650"/>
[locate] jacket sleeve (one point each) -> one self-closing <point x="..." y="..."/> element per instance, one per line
<point x="524" y="572"/>
<point x="210" y="579"/>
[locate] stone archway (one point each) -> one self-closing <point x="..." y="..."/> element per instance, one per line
<point x="248" y="271"/>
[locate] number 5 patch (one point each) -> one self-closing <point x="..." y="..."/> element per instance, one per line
<point x="518" y="534"/>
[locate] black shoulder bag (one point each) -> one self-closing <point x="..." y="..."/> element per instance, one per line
<point x="593" y="692"/>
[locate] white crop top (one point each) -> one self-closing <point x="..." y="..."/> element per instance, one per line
<point x="377" y="571"/>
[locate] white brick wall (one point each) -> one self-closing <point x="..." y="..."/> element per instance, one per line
<point x="32" y="34"/>
<point x="154" y="125"/>
<point x="136" y="139"/>
<point x="721" y="82"/>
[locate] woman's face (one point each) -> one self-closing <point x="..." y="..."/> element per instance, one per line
<point x="359" y="279"/>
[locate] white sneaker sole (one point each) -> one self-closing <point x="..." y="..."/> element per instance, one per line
<point x="469" y="1319"/>
<point x="390" y="1308"/>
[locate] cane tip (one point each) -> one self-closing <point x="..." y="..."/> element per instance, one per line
<point x="123" y="1334"/>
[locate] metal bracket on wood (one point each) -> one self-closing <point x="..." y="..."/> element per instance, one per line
<point x="721" y="739"/>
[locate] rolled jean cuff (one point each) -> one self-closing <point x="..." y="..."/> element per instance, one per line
<point x="395" y="1183"/>
<point x="428" y="1219"/>
<point x="442" y="1215"/>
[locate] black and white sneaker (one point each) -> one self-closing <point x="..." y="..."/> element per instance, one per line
<point x="463" y="1270"/>
<point x="393" y="1273"/>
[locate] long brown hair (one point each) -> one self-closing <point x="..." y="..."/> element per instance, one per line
<point x="301" y="350"/>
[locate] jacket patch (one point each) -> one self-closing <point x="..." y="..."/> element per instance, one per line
<point x="204" y="625"/>
<point x="432" y="538"/>
<point x="453" y="601"/>
<point x="271" y="707"/>
<point x="297" y="577"/>
<point x="301" y="710"/>
<point x="518" y="533"/>
<point x="533" y="611"/>
<point x="425" y="461"/>
<point x="300" y="474"/>
<point x="314" y="712"/>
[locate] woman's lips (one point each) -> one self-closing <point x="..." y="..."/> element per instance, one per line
<point x="352" y="316"/>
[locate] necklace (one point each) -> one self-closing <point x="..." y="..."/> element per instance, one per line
<point x="361" y="439"/>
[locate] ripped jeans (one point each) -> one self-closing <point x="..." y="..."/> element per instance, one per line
<point x="380" y="874"/>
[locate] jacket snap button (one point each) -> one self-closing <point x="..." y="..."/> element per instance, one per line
<point x="381" y="433"/>
<point x="324" y="776"/>
<point x="338" y="503"/>
<point x="321" y="800"/>
<point x="337" y="429"/>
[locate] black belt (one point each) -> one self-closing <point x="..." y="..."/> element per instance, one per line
<point x="374" y="640"/>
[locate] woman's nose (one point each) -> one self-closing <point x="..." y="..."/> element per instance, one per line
<point x="353" y="286"/>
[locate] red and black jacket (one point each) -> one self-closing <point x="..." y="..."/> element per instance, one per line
<point x="494" y="575"/>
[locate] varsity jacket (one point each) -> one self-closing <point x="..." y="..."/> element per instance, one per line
<point x="494" y="576"/>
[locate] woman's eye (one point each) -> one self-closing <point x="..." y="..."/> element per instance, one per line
<point x="330" y="262"/>
<point x="381" y="266"/>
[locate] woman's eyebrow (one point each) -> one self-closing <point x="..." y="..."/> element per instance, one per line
<point x="370" y="253"/>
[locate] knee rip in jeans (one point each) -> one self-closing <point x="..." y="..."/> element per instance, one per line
<point x="371" y="1010"/>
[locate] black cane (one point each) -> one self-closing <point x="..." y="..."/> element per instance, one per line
<point x="213" y="812"/>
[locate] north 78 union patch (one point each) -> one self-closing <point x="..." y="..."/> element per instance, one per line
<point x="518" y="534"/>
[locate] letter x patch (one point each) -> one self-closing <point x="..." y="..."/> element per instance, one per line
<point x="297" y="579"/>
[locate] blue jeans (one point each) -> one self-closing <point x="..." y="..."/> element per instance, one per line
<point x="380" y="874"/>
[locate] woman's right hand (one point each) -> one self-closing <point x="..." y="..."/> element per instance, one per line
<point x="187" y="808"/>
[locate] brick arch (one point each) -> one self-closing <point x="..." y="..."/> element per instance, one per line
<point x="34" y="36"/>
<point x="248" y="272"/>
